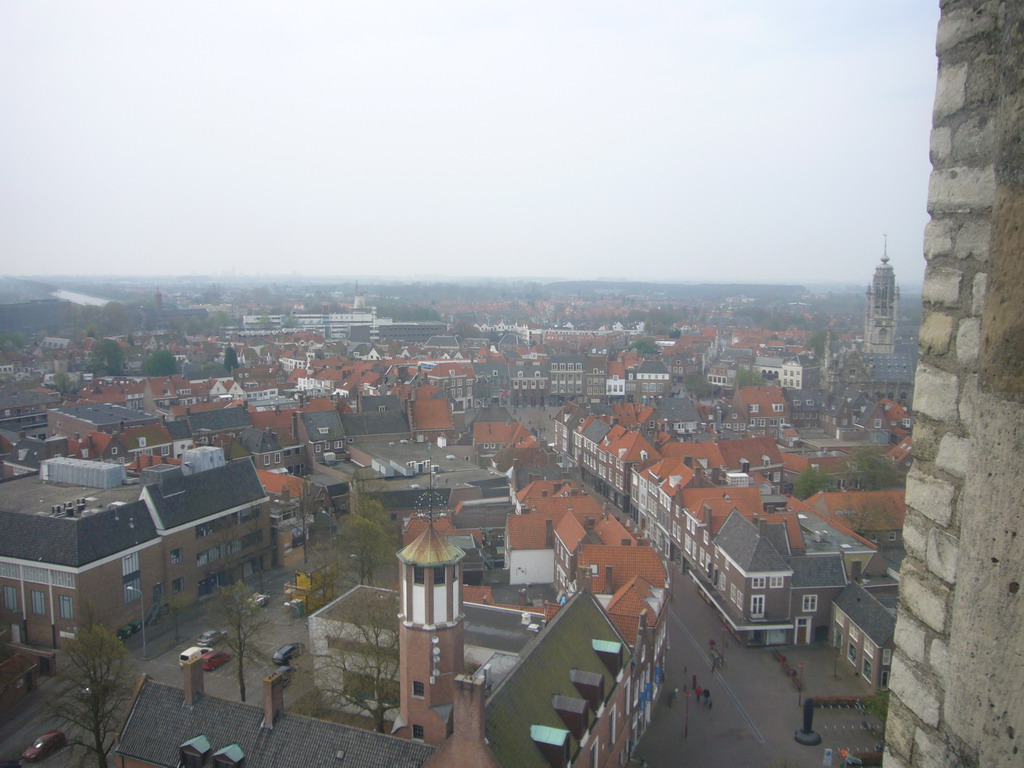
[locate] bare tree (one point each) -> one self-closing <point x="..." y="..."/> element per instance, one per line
<point x="245" y="622"/>
<point x="360" y="669"/>
<point x="96" y="683"/>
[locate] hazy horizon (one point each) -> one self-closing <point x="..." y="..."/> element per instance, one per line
<point x="676" y="141"/>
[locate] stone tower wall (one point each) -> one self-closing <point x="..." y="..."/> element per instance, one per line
<point x="958" y="671"/>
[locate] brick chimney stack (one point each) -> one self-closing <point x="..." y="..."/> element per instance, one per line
<point x="273" y="698"/>
<point x="193" y="685"/>
<point x="468" y="744"/>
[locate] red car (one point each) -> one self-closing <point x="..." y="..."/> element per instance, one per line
<point x="44" y="746"/>
<point x="213" y="660"/>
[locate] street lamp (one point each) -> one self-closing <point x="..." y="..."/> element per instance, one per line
<point x="722" y="649"/>
<point x="142" y="613"/>
<point x="800" y="688"/>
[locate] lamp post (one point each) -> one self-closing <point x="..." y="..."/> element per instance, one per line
<point x="722" y="649"/>
<point x="800" y="688"/>
<point x="686" y="714"/>
<point x="142" y="614"/>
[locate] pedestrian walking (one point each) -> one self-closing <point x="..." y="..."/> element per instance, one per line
<point x="707" y="698"/>
<point x="698" y="692"/>
<point x="672" y="696"/>
<point x="694" y="686"/>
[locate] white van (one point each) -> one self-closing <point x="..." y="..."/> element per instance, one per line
<point x="195" y="652"/>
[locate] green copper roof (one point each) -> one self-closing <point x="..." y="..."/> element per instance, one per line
<point x="429" y="549"/>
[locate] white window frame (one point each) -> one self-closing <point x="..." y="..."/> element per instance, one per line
<point x="776" y="582"/>
<point x="809" y="604"/>
<point x="757" y="606"/>
<point x="757" y="582"/>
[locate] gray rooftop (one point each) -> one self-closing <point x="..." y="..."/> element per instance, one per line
<point x="186" y="498"/>
<point x="159" y="723"/>
<point x="103" y="414"/>
<point x="817" y="571"/>
<point x="875" y="619"/>
<point x="739" y="539"/>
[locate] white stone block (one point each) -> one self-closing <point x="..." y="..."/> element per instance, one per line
<point x="915" y="537"/>
<point x="942" y="286"/>
<point x="961" y="24"/>
<point x="978" y="293"/>
<point x="941" y="146"/>
<point x="920" y="695"/>
<point x="910" y="638"/>
<point x="925" y="598"/>
<point x="931" y="752"/>
<point x="968" y="337"/>
<point x="953" y="454"/>
<point x="950" y="91"/>
<point x="936" y="333"/>
<point x="961" y="190"/>
<point x="943" y="552"/>
<point x="930" y="496"/>
<point x="938" y="238"/>
<point x="938" y="660"/>
<point x="935" y="393"/>
<point x="972" y="241"/>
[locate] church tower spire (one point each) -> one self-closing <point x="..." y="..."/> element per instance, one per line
<point x="881" y="308"/>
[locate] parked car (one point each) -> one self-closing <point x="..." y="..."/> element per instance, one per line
<point x="283" y="656"/>
<point x="10" y="763"/>
<point x="215" y="659"/>
<point x="44" y="746"/>
<point x="195" y="652"/>
<point x="286" y="673"/>
<point x="258" y="600"/>
<point x="211" y="637"/>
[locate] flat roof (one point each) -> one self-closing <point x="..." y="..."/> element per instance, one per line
<point x="30" y="495"/>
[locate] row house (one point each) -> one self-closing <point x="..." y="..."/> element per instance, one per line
<point x="878" y="516"/>
<point x="320" y="433"/>
<point x="653" y="502"/>
<point x="74" y="421"/>
<point x="757" y="410"/>
<point x="272" y="449"/>
<point x="618" y="453"/>
<point x="595" y="375"/>
<point x="587" y="440"/>
<point x="161" y="394"/>
<point x="615" y="383"/>
<point x="456" y="381"/>
<point x="586" y="525"/>
<point x="107" y="551"/>
<point x="490" y="384"/>
<point x="566" y="378"/>
<point x="863" y="632"/>
<point x="766" y="589"/>
<point x="529" y="379"/>
<point x="489" y="437"/>
<point x="647" y="381"/>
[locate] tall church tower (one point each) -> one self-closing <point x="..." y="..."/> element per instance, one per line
<point x="430" y="636"/>
<point x="880" y="314"/>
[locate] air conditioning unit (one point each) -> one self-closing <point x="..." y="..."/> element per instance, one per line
<point x="330" y="457"/>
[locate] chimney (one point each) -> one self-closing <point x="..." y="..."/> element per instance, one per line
<point x="608" y="573"/>
<point x="295" y="425"/>
<point x="193" y="686"/>
<point x="468" y="743"/>
<point x="273" y="698"/>
<point x="762" y="526"/>
<point x="588" y="523"/>
<point x="549" y="534"/>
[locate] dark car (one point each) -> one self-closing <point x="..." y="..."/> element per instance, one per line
<point x="211" y="637"/>
<point x="284" y="655"/>
<point x="10" y="763"/>
<point x="215" y="659"/>
<point x="45" y="746"/>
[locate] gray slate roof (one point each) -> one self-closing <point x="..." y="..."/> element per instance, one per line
<point x="678" y="409"/>
<point x="185" y="498"/>
<point x="874" y="619"/>
<point x="104" y="414"/>
<point x="367" y="423"/>
<point x="159" y="723"/>
<point x="259" y="440"/>
<point x="314" y="421"/>
<point x="178" y="429"/>
<point x="75" y="541"/>
<point x="817" y="571"/>
<point x="739" y="539"/>
<point x="597" y="430"/>
<point x="220" y="420"/>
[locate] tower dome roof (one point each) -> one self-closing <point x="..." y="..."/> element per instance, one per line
<point x="431" y="548"/>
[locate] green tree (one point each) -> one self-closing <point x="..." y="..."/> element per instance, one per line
<point x="816" y="341"/>
<point x="160" y="363"/>
<point x="107" y="358"/>
<point x="367" y="542"/>
<point x="872" y="471"/>
<point x="94" y="687"/>
<point x="811" y="481"/>
<point x="748" y="377"/>
<point x="697" y="385"/>
<point x="645" y="346"/>
<point x="230" y="359"/>
<point x="361" y="667"/>
<point x="245" y="623"/>
<point x="64" y="384"/>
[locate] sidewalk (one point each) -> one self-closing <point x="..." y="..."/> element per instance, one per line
<point x="755" y="709"/>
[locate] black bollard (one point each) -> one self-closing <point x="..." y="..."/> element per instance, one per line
<point x="807" y="736"/>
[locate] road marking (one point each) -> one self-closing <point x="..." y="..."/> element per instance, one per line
<point x="718" y="674"/>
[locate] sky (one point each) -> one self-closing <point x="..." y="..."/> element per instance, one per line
<point x="741" y="141"/>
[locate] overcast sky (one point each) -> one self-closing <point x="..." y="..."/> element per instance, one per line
<point x="753" y="140"/>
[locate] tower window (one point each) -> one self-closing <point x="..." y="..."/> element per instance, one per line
<point x="439" y="575"/>
<point x="417" y="688"/>
<point x="417" y="574"/>
<point x="417" y="732"/>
